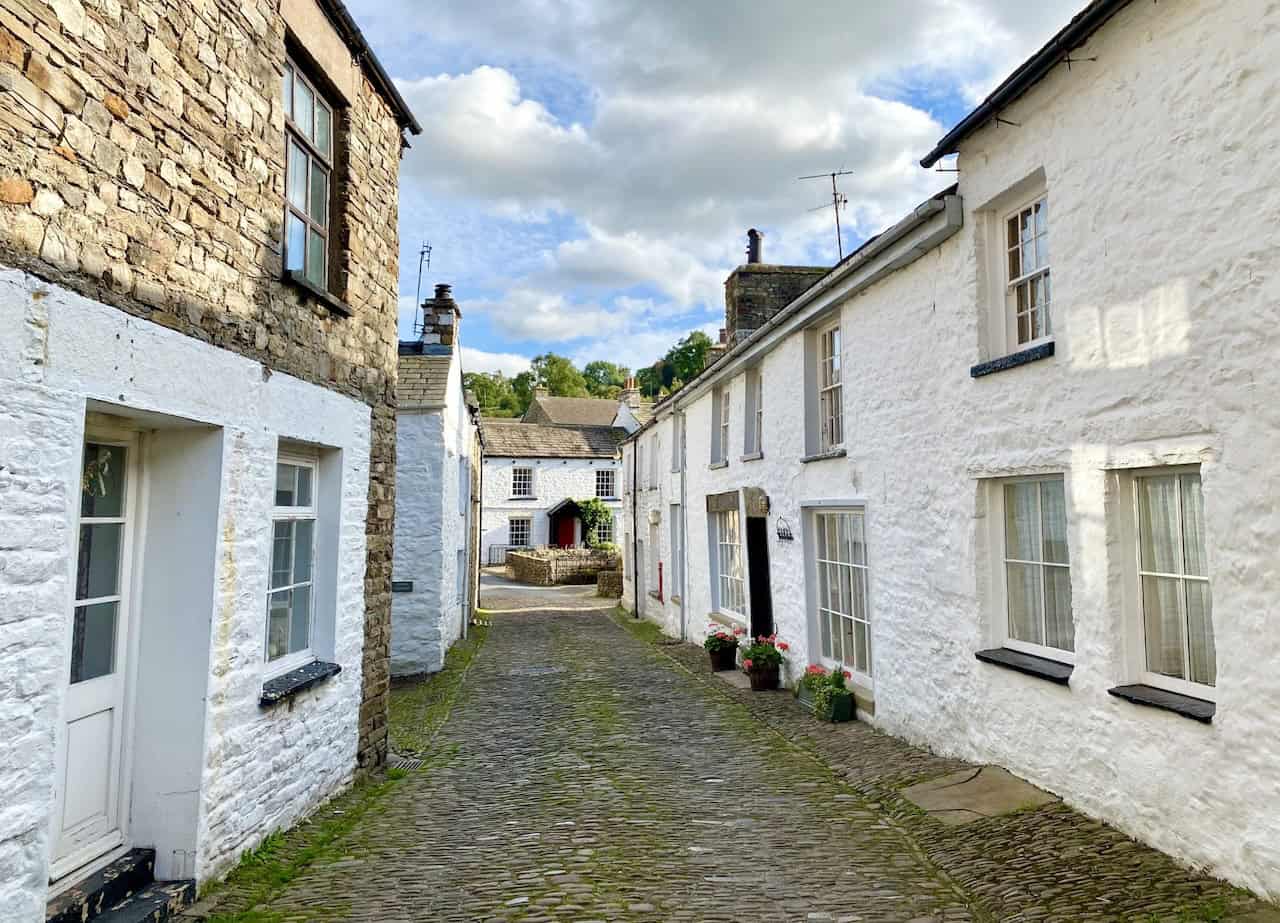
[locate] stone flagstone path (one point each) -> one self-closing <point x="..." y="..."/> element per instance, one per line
<point x="585" y="773"/>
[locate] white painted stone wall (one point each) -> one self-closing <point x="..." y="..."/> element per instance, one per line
<point x="432" y="505"/>
<point x="261" y="769"/>
<point x="1163" y="240"/>
<point x="554" y="480"/>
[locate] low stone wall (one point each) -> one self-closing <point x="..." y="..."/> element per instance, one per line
<point x="609" y="583"/>
<point x="554" y="567"/>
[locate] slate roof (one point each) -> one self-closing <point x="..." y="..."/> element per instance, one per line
<point x="422" y="382"/>
<point x="517" y="439"/>
<point x="572" y="411"/>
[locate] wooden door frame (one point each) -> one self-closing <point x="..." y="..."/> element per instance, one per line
<point x="108" y="430"/>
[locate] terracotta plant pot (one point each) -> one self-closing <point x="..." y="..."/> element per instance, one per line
<point x="726" y="658"/>
<point x="763" y="679"/>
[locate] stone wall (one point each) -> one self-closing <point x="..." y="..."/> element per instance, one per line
<point x="609" y="583"/>
<point x="754" y="292"/>
<point x="142" y="165"/>
<point x="555" y="567"/>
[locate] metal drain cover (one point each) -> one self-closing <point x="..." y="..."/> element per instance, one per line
<point x="396" y="761"/>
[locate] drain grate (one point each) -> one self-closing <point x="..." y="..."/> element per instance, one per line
<point x="396" y="761"/>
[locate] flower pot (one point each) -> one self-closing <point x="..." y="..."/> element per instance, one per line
<point x="841" y="707"/>
<point x="763" y="679"/>
<point x="725" y="658"/>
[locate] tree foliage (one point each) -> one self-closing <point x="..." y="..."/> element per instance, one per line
<point x="605" y="379"/>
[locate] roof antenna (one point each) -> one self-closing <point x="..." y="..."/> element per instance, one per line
<point x="838" y="201"/>
<point x="424" y="261"/>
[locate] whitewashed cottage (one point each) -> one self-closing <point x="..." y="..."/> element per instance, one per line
<point x="434" y="579"/>
<point x="198" y="295"/>
<point x="1013" y="462"/>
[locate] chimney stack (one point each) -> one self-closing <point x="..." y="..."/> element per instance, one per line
<point x="755" y="246"/>
<point x="440" y="316"/>
<point x="541" y="391"/>
<point x="630" y="394"/>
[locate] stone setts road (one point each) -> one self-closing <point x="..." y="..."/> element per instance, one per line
<point x="585" y="773"/>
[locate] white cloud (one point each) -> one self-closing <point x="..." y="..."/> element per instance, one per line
<point x="527" y="314"/>
<point x="509" y="364"/>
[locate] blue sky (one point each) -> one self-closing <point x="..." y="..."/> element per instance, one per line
<point x="588" y="168"/>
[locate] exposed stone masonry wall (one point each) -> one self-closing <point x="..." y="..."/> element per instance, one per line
<point x="564" y="566"/>
<point x="142" y="164"/>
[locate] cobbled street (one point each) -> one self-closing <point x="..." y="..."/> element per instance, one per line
<point x="588" y="771"/>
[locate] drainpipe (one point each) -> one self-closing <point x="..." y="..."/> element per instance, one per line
<point x="678" y="433"/>
<point x="635" y="537"/>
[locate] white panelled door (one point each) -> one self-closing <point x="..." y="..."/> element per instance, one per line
<point x="88" y="817"/>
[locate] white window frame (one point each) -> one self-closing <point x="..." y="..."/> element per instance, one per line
<point x="1000" y="571"/>
<point x="610" y="479"/>
<point x="729" y="571"/>
<point x="861" y="571"/>
<point x="829" y="401"/>
<point x="655" y="562"/>
<point x="1038" y="204"/>
<point x="288" y="662"/>
<point x="655" y="452"/>
<point x="528" y="493"/>
<point x="608" y="531"/>
<point x="528" y="528"/>
<point x="1135" y="615"/>
<point x="720" y="426"/>
<point x="677" y="443"/>
<point x="677" y="553"/>
<point x="753" y="431"/>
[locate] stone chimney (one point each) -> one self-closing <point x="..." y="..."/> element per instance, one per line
<point x="717" y="350"/>
<point x="541" y="391"/>
<point x="630" y="394"/>
<point x="440" y="318"/>
<point x="756" y="291"/>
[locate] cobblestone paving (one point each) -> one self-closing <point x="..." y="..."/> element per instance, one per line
<point x="585" y="774"/>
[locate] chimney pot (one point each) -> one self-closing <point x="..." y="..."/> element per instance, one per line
<point x="440" y="317"/>
<point x="755" y="246"/>
<point x="444" y="291"/>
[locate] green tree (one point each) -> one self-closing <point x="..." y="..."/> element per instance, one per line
<point x="687" y="357"/>
<point x="559" y="376"/>
<point x="494" y="393"/>
<point x="605" y="379"/>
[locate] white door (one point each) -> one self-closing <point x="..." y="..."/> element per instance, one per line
<point x="88" y="817"/>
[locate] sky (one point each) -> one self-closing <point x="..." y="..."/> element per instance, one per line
<point x="588" y="169"/>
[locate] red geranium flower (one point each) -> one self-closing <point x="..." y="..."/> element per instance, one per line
<point x="746" y="664"/>
<point x="784" y="646"/>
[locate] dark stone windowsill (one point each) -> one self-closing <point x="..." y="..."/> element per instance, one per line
<point x="1031" y="665"/>
<point x="656" y="595"/>
<point x="754" y="456"/>
<point x="287" y="685"/>
<point x="522" y="498"/>
<point x="718" y="464"/>
<point x="1012" y="361"/>
<point x="299" y="281"/>
<point x="1185" y="705"/>
<point x="823" y="456"/>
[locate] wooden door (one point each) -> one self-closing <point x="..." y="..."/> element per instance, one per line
<point x="564" y="531"/>
<point x="88" y="816"/>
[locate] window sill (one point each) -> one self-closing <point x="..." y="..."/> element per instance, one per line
<point x="287" y="685"/>
<point x="754" y="456"/>
<point x="1185" y="705"/>
<point x="1012" y="361"/>
<point x="598" y="497"/>
<point x="717" y="465"/>
<point x="522" y="498"/>
<point x="728" y="621"/>
<point x="299" y="281"/>
<point x="654" y="594"/>
<point x="823" y="456"/>
<point x="1031" y="665"/>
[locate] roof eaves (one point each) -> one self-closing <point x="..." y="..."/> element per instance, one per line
<point x="336" y="10"/>
<point x="1029" y="73"/>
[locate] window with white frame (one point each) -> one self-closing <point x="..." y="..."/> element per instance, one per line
<point x="461" y="576"/>
<point x="1037" y="568"/>
<point x="606" y="482"/>
<point x="639" y="472"/>
<point x="655" y="453"/>
<point x="730" y="583"/>
<point x="604" y="531"/>
<point x="518" y="531"/>
<point x="627" y="553"/>
<point x="522" y="482"/>
<point x="720" y="432"/>
<point x="753" y="431"/>
<point x="1173" y="581"/>
<point x="677" y="443"/>
<point x="655" y="565"/>
<point x="1027" y="250"/>
<point x="830" y="390"/>
<point x="290" y="597"/>
<point x="843" y="614"/>
<point x="309" y="161"/>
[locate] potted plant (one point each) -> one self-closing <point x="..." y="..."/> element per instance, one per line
<point x="824" y="693"/>
<point x="762" y="661"/>
<point x="722" y="646"/>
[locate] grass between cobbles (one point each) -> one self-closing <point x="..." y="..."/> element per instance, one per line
<point x="417" y="712"/>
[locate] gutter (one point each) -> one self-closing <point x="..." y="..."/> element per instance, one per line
<point x="947" y="203"/>
<point x="1028" y="74"/>
<point x="351" y="34"/>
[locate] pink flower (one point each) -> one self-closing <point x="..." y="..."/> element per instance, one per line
<point x="784" y="646"/>
<point x="739" y="630"/>
<point x="848" y="675"/>
<point x="762" y="639"/>
<point x="746" y="663"/>
<point x="815" y="670"/>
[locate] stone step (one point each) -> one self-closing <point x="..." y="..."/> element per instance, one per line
<point x="155" y="903"/>
<point x="105" y="888"/>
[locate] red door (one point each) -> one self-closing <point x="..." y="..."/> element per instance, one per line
<point x="564" y="531"/>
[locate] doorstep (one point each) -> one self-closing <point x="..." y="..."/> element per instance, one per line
<point x="123" y="891"/>
<point x="735" y="678"/>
